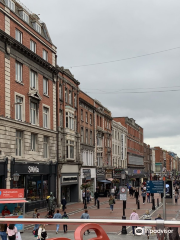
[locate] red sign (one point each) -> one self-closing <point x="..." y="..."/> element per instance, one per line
<point x="11" y="193"/>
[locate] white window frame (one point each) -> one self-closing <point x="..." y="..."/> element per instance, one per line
<point x="90" y="119"/>
<point x="86" y="117"/>
<point x="46" y="116"/>
<point x="18" y="35"/>
<point x="45" y="86"/>
<point x="70" y="148"/>
<point x="46" y="147"/>
<point x="75" y="100"/>
<point x="86" y="136"/>
<point x="70" y="120"/>
<point x="10" y="4"/>
<point x="24" y="16"/>
<point x="70" y="97"/>
<point x="33" y="113"/>
<point x="19" y="108"/>
<point x="81" y="115"/>
<point x="99" y="160"/>
<point x="91" y="138"/>
<point x="82" y="134"/>
<point x="19" y="141"/>
<point x="66" y="95"/>
<point x="60" y="91"/>
<point x="33" y="79"/>
<point x="33" y="141"/>
<point x="99" y="141"/>
<point x="45" y="55"/>
<point x="18" y="68"/>
<point x="37" y="27"/>
<point x="32" y="46"/>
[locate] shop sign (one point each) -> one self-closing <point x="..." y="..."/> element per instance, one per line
<point x="33" y="169"/>
<point x="136" y="171"/>
<point x="69" y="179"/>
<point x="117" y="172"/>
<point x="87" y="174"/>
<point x="11" y="193"/>
<point x="100" y="173"/>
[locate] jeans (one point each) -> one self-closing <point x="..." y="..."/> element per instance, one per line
<point x="65" y="228"/>
<point x="95" y="200"/>
<point x="3" y="235"/>
<point x="148" y="199"/>
<point x="87" y="199"/>
<point x="57" y="227"/>
<point x="111" y="207"/>
<point x="133" y="229"/>
<point x="36" y="226"/>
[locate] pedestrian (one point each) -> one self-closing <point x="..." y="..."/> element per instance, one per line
<point x="174" y="235"/>
<point x="134" y="216"/>
<point x="111" y="203"/>
<point x="176" y="190"/>
<point x="63" y="202"/>
<point x="176" y="197"/>
<point x="143" y="196"/>
<point x="136" y="195"/>
<point x="152" y="196"/>
<point x="144" y="188"/>
<point x="36" y="226"/>
<point x="158" y="218"/>
<point x="85" y="215"/>
<point x="11" y="231"/>
<point x="96" y="195"/>
<point x="147" y="216"/>
<point x="35" y="213"/>
<point x="148" y="197"/>
<point x="112" y="191"/>
<point x="65" y="216"/>
<point x="131" y="191"/>
<point x="83" y="196"/>
<point x="3" y="229"/>
<point x="50" y="214"/>
<point x="57" y="215"/>
<point x="42" y="234"/>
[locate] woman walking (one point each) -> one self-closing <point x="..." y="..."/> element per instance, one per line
<point x="147" y="216"/>
<point x="11" y="231"/>
<point x="134" y="216"/>
<point x="111" y="203"/>
<point x="176" y="197"/>
<point x="42" y="234"/>
<point x="3" y="229"/>
<point x="143" y="196"/>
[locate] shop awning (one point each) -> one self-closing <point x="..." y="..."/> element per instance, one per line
<point x="110" y="179"/>
<point x="13" y="201"/>
<point x="104" y="181"/>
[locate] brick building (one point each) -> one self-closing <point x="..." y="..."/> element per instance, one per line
<point x="135" y="149"/>
<point x="147" y="161"/>
<point x="159" y="160"/>
<point x="28" y="102"/>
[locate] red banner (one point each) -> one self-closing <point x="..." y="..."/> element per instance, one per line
<point x="11" y="193"/>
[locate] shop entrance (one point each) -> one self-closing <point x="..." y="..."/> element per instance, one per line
<point x="1" y="182"/>
<point x="66" y="192"/>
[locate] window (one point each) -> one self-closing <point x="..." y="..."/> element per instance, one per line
<point x="91" y="138"/>
<point x="70" y="149"/>
<point x="70" y="120"/>
<point x="99" y="141"/>
<point x="82" y="134"/>
<point x="10" y="4"/>
<point x="45" y="86"/>
<point x="90" y="118"/>
<point x="33" y="112"/>
<point x="81" y="114"/>
<point x="33" y="77"/>
<point x="107" y="125"/>
<point x="33" y="142"/>
<point x="108" y="142"/>
<point x="113" y="149"/>
<point x="37" y="27"/>
<point x="75" y="100"/>
<point x="45" y="55"/>
<point x="24" y="16"/>
<point x="86" y="117"/>
<point x="18" y="72"/>
<point x="118" y="150"/>
<point x="18" y="36"/>
<point x="86" y="136"/>
<point x="115" y="135"/>
<point x="33" y="46"/>
<point x="60" y="91"/>
<point x="19" y="101"/>
<point x="70" y="97"/>
<point x="45" y="145"/>
<point x="61" y="118"/>
<point x="118" y="136"/>
<point x="99" y="160"/>
<point x="18" y="143"/>
<point x="66" y="95"/>
<point x="45" y="117"/>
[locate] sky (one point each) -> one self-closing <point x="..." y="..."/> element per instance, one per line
<point x="145" y="88"/>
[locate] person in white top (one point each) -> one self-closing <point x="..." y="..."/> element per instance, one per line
<point x="40" y="230"/>
<point x="144" y="188"/>
<point x="112" y="191"/>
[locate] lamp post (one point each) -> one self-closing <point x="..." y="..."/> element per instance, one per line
<point x="123" y="177"/>
<point x="16" y="177"/>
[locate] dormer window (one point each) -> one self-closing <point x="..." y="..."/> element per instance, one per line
<point x="24" y="16"/>
<point x="10" y="4"/>
<point x="37" y="27"/>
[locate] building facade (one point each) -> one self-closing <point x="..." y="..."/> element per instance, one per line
<point x="147" y="161"/>
<point x="28" y="101"/>
<point x="135" y="149"/>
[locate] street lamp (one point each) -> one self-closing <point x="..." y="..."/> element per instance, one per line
<point x="16" y="177"/>
<point x="123" y="177"/>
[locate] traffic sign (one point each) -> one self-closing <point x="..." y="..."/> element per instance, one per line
<point x="155" y="187"/>
<point x="123" y="193"/>
<point x="123" y="197"/>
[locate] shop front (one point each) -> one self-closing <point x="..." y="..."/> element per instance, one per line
<point x="88" y="175"/>
<point x="38" y="180"/>
<point x="135" y="176"/>
<point x="3" y="172"/>
<point x="103" y="185"/>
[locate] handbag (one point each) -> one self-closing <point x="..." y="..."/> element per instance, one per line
<point x="18" y="236"/>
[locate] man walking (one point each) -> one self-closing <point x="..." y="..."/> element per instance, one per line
<point x="85" y="215"/>
<point x="96" y="195"/>
<point x="136" y="195"/>
<point x="57" y="215"/>
<point x="63" y="202"/>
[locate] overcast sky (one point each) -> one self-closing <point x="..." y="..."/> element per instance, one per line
<point x="91" y="31"/>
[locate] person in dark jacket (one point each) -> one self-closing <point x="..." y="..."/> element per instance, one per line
<point x="136" y="195"/>
<point x="65" y="216"/>
<point x="96" y="195"/>
<point x="143" y="196"/>
<point x="3" y="229"/>
<point x="63" y="202"/>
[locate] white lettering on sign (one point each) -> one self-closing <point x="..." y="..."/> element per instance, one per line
<point x="33" y="169"/>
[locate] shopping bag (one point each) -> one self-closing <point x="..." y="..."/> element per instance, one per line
<point x="61" y="206"/>
<point x="18" y="236"/>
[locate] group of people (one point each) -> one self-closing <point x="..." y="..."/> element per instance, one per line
<point x="86" y="195"/>
<point x="8" y="231"/>
<point x="133" y="192"/>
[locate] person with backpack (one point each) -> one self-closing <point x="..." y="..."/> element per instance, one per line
<point x="11" y="232"/>
<point x="3" y="229"/>
<point x="148" y="197"/>
<point x="65" y="216"/>
<point x="42" y="234"/>
<point x="111" y="203"/>
<point x="57" y="215"/>
<point x="143" y="196"/>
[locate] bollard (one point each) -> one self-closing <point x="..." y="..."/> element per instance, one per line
<point x="98" y="205"/>
<point x="157" y="202"/>
<point x="153" y="204"/>
<point x="138" y="204"/>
